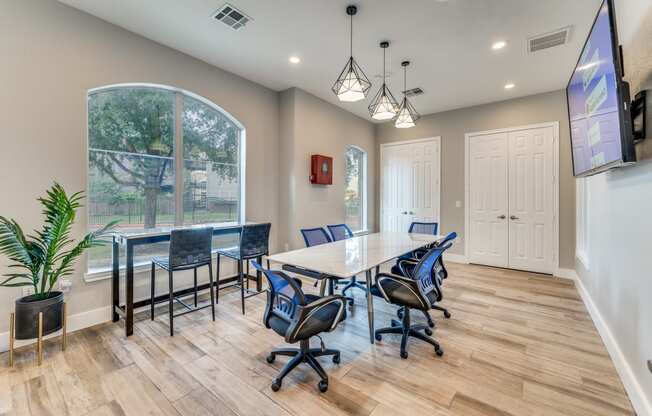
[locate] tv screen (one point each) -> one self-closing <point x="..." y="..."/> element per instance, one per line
<point x="598" y="102"/>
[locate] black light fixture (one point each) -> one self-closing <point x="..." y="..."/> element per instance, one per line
<point x="384" y="105"/>
<point x="407" y="115"/>
<point x="352" y="84"/>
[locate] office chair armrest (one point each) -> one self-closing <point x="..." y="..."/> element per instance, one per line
<point x="306" y="312"/>
<point x="406" y="266"/>
<point x="405" y="281"/>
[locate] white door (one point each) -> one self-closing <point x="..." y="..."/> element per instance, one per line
<point x="488" y="204"/>
<point x="410" y="184"/>
<point x="531" y="199"/>
<point x="511" y="201"/>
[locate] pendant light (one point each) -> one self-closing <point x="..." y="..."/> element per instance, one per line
<point x="384" y="105"/>
<point x="352" y="84"/>
<point x="407" y="115"/>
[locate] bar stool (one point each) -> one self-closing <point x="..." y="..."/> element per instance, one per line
<point x="189" y="249"/>
<point x="253" y="245"/>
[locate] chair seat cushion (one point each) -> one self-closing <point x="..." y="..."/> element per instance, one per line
<point x="320" y="321"/>
<point x="403" y="295"/>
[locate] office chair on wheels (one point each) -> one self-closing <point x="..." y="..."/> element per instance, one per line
<point x="417" y="289"/>
<point x="298" y="317"/>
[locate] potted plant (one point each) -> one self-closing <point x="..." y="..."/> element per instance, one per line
<point x="40" y="260"/>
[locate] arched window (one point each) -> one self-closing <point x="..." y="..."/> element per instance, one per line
<point x="159" y="156"/>
<point x="355" y="192"/>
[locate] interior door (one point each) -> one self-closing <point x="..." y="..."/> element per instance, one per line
<point x="488" y="205"/>
<point x="531" y="199"/>
<point x="410" y="190"/>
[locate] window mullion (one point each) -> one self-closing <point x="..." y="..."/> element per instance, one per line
<point x="178" y="159"/>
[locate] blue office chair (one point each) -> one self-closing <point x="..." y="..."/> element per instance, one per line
<point x="253" y="244"/>
<point x="423" y="228"/>
<point x="189" y="249"/>
<point x="315" y="236"/>
<point x="343" y="232"/>
<point x="415" y="289"/>
<point x="297" y="317"/>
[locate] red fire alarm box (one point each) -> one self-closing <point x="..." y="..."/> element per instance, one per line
<point x="321" y="170"/>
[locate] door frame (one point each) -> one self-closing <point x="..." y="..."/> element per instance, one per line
<point x="555" y="184"/>
<point x="383" y="146"/>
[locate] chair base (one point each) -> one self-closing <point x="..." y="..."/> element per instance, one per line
<point x="406" y="330"/>
<point x="304" y="354"/>
<point x="353" y="283"/>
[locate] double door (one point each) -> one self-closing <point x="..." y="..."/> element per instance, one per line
<point x="511" y="200"/>
<point x="410" y="184"/>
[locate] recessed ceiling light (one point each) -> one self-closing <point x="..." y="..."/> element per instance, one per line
<point x="499" y="45"/>
<point x="509" y="86"/>
<point x="295" y="59"/>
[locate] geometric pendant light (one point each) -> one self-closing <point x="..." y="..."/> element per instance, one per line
<point x="407" y="115"/>
<point x="352" y="84"/>
<point x="383" y="106"/>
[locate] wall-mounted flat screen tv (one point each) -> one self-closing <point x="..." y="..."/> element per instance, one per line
<point x="598" y="101"/>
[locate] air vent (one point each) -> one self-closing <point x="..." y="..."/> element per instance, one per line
<point x="548" y="40"/>
<point x="232" y="17"/>
<point x="413" y="92"/>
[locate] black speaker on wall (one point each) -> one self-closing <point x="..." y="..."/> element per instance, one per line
<point x="638" y="111"/>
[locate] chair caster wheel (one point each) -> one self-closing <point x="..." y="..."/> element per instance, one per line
<point x="350" y="302"/>
<point x="378" y="337"/>
<point x="323" y="386"/>
<point x="399" y="313"/>
<point x="276" y="385"/>
<point x="336" y="358"/>
<point x="271" y="358"/>
<point x="428" y="331"/>
<point x="439" y="352"/>
<point x="404" y="355"/>
<point x="431" y="324"/>
<point x="447" y="314"/>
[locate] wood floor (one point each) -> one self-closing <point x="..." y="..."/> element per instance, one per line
<point x="517" y="344"/>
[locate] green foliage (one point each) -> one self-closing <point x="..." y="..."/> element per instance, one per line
<point x="42" y="259"/>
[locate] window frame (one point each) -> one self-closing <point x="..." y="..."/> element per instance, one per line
<point x="180" y="93"/>
<point x="364" y="195"/>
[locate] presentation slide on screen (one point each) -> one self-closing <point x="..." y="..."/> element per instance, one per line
<point x="593" y="101"/>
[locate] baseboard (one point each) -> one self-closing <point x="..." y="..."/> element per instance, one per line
<point x="634" y="390"/>
<point x="569" y="274"/>
<point x="456" y="258"/>
<point x="75" y="323"/>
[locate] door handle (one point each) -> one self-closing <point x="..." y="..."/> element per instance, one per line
<point x="513" y="217"/>
<point x="404" y="212"/>
<point x="501" y="217"/>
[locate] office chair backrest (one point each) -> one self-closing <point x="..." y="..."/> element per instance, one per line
<point x="190" y="246"/>
<point x="315" y="236"/>
<point x="423" y="272"/>
<point x="424" y="228"/>
<point x="448" y="239"/>
<point x="283" y="294"/>
<point x="340" y="231"/>
<point x="254" y="240"/>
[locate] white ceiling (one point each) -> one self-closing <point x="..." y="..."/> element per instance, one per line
<point x="448" y="41"/>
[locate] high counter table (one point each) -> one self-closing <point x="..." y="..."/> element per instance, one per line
<point x="133" y="238"/>
<point x="346" y="258"/>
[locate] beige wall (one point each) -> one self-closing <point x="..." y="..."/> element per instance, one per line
<point x="453" y="125"/>
<point x="310" y="126"/>
<point x="617" y="277"/>
<point x="56" y="55"/>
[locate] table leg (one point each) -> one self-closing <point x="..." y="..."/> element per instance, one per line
<point x="129" y="297"/>
<point x="370" y="307"/>
<point x="115" y="279"/>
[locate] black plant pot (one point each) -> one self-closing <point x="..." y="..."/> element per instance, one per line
<point x="27" y="310"/>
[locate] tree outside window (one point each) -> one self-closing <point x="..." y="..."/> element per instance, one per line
<point x="355" y="188"/>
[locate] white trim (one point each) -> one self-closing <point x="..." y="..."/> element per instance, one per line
<point x="634" y="390"/>
<point x="555" y="182"/>
<point x="456" y="258"/>
<point x="436" y="139"/>
<point x="75" y="323"/>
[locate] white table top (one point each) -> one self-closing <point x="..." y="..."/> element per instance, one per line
<point x="346" y="258"/>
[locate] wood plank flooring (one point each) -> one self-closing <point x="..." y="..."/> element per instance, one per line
<point x="517" y="344"/>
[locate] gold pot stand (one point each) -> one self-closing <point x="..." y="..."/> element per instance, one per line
<point x="39" y="339"/>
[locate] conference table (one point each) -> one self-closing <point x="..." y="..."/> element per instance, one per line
<point x="346" y="258"/>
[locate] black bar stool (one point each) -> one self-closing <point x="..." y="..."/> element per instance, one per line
<point x="189" y="249"/>
<point x="253" y="245"/>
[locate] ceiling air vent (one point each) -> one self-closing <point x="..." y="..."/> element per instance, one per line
<point x="413" y="92"/>
<point x="232" y="17"/>
<point x="548" y="40"/>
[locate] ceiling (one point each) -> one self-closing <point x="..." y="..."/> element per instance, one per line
<point x="448" y="41"/>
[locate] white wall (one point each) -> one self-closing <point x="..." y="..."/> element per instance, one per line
<point x="618" y="280"/>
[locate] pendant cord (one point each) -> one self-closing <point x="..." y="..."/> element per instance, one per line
<point x="404" y="80"/>
<point x="351" y="39"/>
<point x="384" y="75"/>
